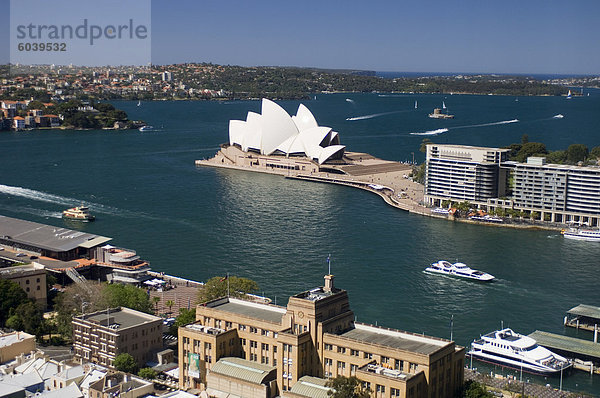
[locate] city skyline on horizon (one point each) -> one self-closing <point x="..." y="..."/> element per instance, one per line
<point x="518" y="38"/>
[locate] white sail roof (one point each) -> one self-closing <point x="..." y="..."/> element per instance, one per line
<point x="275" y="131"/>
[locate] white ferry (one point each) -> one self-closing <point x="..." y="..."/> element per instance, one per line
<point x="146" y="128"/>
<point x="589" y="235"/>
<point x="80" y="213"/>
<point x="517" y="351"/>
<point x="459" y="270"/>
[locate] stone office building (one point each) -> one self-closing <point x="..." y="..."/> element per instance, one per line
<point x="100" y="336"/>
<point x="316" y="335"/>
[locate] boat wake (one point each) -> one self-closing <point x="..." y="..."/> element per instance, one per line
<point x="431" y="132"/>
<point x="374" y="115"/>
<point x="61" y="200"/>
<point x="444" y="130"/>
<point x="559" y="116"/>
<point x="35" y="212"/>
<point x="487" y="124"/>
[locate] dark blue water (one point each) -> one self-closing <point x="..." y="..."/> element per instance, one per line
<point x="200" y="222"/>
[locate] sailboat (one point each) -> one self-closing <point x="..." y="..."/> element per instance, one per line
<point x="139" y="103"/>
<point x="443" y="105"/>
<point x="569" y="96"/>
<point x="416" y="106"/>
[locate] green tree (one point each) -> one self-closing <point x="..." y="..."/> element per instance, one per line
<point x="156" y="300"/>
<point x="576" y="153"/>
<point x="185" y="317"/>
<point x="557" y="157"/>
<point x="147" y="373"/>
<point x="217" y="287"/>
<point x="11" y="296"/>
<point x="418" y="173"/>
<point x="170" y="303"/>
<point x="27" y="317"/>
<point x="117" y="295"/>
<point x="347" y="387"/>
<point x="595" y="152"/>
<point x="534" y="215"/>
<point x="423" y="147"/>
<point x="530" y="149"/>
<point x="125" y="363"/>
<point x="473" y="389"/>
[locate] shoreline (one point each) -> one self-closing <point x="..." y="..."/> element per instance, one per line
<point x="389" y="189"/>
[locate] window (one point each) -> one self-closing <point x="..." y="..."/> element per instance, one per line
<point x="264" y="360"/>
<point x="253" y="344"/>
<point x="329" y="347"/>
<point x="27" y="282"/>
<point x="243" y="341"/>
<point x="354" y="353"/>
<point x="341" y="365"/>
<point x="394" y="392"/>
<point x="275" y="362"/>
<point x="264" y="332"/>
<point x="341" y="350"/>
<point x="368" y="355"/>
<point x="227" y="324"/>
<point x="328" y="361"/>
<point x="385" y="359"/>
<point x="380" y="389"/>
<point x="274" y="348"/>
<point x="242" y="327"/>
<point x="264" y="347"/>
<point x="353" y="369"/>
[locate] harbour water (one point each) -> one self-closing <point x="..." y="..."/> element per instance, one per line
<point x="199" y="222"/>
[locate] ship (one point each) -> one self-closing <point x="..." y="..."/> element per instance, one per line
<point x="79" y="213"/>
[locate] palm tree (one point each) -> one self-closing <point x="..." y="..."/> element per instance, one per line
<point x="169" y="303"/>
<point x="156" y="300"/>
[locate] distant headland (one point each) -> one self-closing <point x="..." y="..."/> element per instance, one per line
<point x="206" y="81"/>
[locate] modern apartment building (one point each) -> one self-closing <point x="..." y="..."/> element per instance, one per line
<point x="316" y="335"/>
<point x="484" y="177"/>
<point x="464" y="173"/>
<point x="100" y="336"/>
<point x="560" y="193"/>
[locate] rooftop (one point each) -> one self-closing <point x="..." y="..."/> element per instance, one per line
<point x="395" y="339"/>
<point x="263" y="312"/>
<point x="317" y="294"/>
<point x="565" y="343"/>
<point x="242" y="369"/>
<point x="380" y="370"/>
<point x="12" y="338"/>
<point x="309" y="386"/>
<point x="588" y="311"/>
<point x="45" y="236"/>
<point x="119" y="318"/>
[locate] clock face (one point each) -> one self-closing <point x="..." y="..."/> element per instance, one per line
<point x="300" y="314"/>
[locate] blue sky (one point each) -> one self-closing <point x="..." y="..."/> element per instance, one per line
<point x="526" y="36"/>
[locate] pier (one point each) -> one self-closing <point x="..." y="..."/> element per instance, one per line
<point x="585" y="317"/>
<point x="586" y="352"/>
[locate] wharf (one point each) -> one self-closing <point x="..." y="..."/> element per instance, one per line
<point x="568" y="346"/>
<point x="583" y="316"/>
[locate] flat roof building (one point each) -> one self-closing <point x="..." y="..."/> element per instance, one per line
<point x="100" y="336"/>
<point x="486" y="178"/>
<point x="14" y="344"/>
<point x="315" y="335"/>
<point x="31" y="278"/>
<point x="55" y="242"/>
<point x="464" y="173"/>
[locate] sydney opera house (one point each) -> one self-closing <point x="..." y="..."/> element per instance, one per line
<point x="274" y="132"/>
